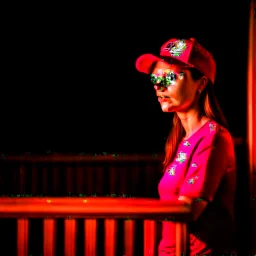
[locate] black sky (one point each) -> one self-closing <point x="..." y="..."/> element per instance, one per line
<point x="69" y="82"/>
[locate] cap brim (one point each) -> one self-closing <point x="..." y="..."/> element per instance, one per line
<point x="144" y="62"/>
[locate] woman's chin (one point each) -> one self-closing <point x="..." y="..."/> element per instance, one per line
<point x="167" y="110"/>
<point x="166" y="107"/>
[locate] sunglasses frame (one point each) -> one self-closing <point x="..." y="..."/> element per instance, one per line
<point x="166" y="80"/>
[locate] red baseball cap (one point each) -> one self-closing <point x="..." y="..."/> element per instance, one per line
<point x="186" y="52"/>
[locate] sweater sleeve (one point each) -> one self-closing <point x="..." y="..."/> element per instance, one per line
<point x="207" y="167"/>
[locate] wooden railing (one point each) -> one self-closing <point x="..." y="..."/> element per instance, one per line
<point x="91" y="209"/>
<point x="121" y="177"/>
<point x="65" y="175"/>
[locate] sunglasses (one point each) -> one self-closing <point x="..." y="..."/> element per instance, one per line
<point x="166" y="79"/>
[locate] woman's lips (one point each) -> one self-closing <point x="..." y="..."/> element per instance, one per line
<point x="160" y="99"/>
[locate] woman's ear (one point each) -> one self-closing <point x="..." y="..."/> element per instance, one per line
<point x="203" y="83"/>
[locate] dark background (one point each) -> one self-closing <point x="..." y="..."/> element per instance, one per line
<point x="69" y="82"/>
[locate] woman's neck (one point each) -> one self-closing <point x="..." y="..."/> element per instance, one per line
<point x="192" y="122"/>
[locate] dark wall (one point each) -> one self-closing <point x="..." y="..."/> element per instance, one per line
<point x="69" y="83"/>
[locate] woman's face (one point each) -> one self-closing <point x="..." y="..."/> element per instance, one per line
<point x="175" y="88"/>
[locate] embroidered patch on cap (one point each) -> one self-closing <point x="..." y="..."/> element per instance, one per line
<point x="176" y="48"/>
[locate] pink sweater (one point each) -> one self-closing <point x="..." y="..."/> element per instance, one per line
<point x="204" y="168"/>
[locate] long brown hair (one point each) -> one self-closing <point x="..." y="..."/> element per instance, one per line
<point x="208" y="106"/>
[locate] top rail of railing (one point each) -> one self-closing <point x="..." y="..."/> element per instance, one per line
<point x="93" y="208"/>
<point x="67" y="158"/>
<point x="81" y="157"/>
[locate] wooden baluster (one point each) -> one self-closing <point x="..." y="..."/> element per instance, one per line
<point x="22" y="237"/>
<point x="129" y="228"/>
<point x="22" y="189"/>
<point x="90" y="237"/>
<point x="55" y="180"/>
<point x="123" y="180"/>
<point x="181" y="239"/>
<point x="110" y="237"/>
<point x="49" y="237"/>
<point x="99" y="181"/>
<point x="34" y="180"/>
<point x="80" y="180"/>
<point x="148" y="170"/>
<point x="150" y="237"/>
<point x="89" y="180"/>
<point x="69" y="181"/>
<point x="15" y="181"/>
<point x="70" y="237"/>
<point x="136" y="176"/>
<point x="112" y="179"/>
<point x="45" y="180"/>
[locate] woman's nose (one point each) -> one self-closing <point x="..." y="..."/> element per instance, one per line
<point x="159" y="88"/>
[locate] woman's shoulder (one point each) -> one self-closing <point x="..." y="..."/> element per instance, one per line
<point x="215" y="132"/>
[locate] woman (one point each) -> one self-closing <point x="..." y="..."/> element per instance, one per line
<point x="200" y="164"/>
